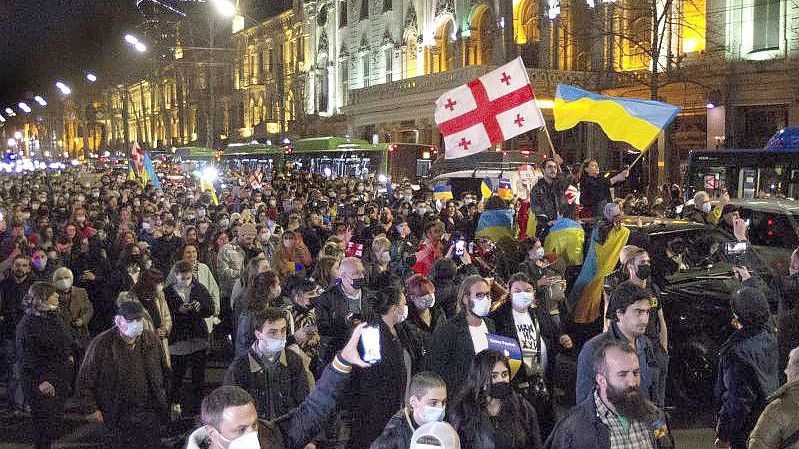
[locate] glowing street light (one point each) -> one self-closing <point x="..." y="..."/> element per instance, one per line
<point x="2" y="119"/>
<point x="10" y="112"/>
<point x="24" y="106"/>
<point x="141" y="48"/>
<point x="91" y="77"/>
<point x="131" y="39"/>
<point x="63" y="88"/>
<point x="225" y="8"/>
<point x="18" y="135"/>
<point x="12" y="142"/>
<point x="40" y="100"/>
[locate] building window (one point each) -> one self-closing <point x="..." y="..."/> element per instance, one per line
<point x="300" y="48"/>
<point x="389" y="64"/>
<point x="766" y="31"/>
<point x="322" y="89"/>
<point x="342" y="14"/>
<point x="366" y="70"/>
<point x="386" y="5"/>
<point x="344" y="82"/>
<point x="364" y="9"/>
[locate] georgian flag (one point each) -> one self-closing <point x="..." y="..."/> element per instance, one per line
<point x="487" y="111"/>
<point x="256" y="178"/>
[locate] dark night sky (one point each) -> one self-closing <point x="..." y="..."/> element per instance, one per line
<point x="42" y="40"/>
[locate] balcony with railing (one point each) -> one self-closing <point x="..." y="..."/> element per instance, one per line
<point x="543" y="81"/>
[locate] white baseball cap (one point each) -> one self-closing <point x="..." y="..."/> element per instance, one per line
<point x="435" y="435"/>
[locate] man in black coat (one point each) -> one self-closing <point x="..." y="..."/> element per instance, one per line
<point x="274" y="376"/>
<point x="121" y="381"/>
<point x="166" y="248"/>
<point x="339" y="308"/>
<point x="547" y="197"/>
<point x="748" y="368"/>
<point x="12" y="291"/>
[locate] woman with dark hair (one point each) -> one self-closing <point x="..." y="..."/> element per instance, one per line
<point x="220" y="239"/>
<point x="378" y="392"/>
<point x="595" y="189"/>
<point x="45" y="353"/>
<point x="442" y="275"/>
<point x="149" y="291"/>
<point x="257" y="265"/>
<point x="488" y="413"/>
<point x="325" y="271"/>
<point x="263" y="291"/>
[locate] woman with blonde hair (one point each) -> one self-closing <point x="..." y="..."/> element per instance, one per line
<point x="376" y="273"/>
<point x="46" y="361"/>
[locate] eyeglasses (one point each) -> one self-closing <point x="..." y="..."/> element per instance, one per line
<point x="482" y="295"/>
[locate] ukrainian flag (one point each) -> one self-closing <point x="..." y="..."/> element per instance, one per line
<point x="486" y="188"/>
<point x="149" y="173"/>
<point x="495" y="224"/>
<point x="443" y="193"/>
<point x="566" y="238"/>
<point x="637" y="122"/>
<point x="586" y="294"/>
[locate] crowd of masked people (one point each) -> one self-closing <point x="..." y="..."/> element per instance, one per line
<point x="114" y="295"/>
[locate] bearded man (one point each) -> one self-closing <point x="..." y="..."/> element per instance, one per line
<point x="616" y="415"/>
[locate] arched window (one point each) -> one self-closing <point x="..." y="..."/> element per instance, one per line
<point x="444" y="56"/>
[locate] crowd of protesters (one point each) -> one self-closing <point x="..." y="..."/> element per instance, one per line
<point x="114" y="295"/>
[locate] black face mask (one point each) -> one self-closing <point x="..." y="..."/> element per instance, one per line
<point x="357" y="284"/>
<point x="499" y="390"/>
<point x="643" y="271"/>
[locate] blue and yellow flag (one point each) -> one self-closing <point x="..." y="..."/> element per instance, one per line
<point x="566" y="238"/>
<point x="131" y="173"/>
<point x="586" y="295"/>
<point x="504" y="190"/>
<point x="510" y="348"/>
<point x="486" y="188"/>
<point x="149" y="173"/>
<point x="206" y="186"/>
<point x="443" y="193"/>
<point x="495" y="224"/>
<point x="637" y="122"/>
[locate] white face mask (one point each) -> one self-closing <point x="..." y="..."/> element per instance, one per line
<point x="426" y="301"/>
<point x="385" y="257"/>
<point x="272" y="345"/>
<point x="63" y="284"/>
<point x="522" y="300"/>
<point x="482" y="306"/>
<point x="246" y="441"/>
<point x="134" y="328"/>
<point x="707" y="207"/>
<point x="403" y="315"/>
<point x="432" y="414"/>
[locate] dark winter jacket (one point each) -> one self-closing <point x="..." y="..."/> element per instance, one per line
<point x="103" y="367"/>
<point x="295" y="429"/>
<point x="747" y="375"/>
<point x="11" y="309"/>
<point x="648" y="360"/>
<point x="397" y="433"/>
<point x="276" y="387"/>
<point x="377" y="392"/>
<point x="191" y="324"/>
<point x="420" y="333"/>
<point x="452" y="351"/>
<point x="45" y="350"/>
<point x="594" y="193"/>
<point x="478" y="430"/>
<point x="581" y="428"/>
<point x="332" y="310"/>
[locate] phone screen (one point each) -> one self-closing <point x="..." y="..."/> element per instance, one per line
<point x="733" y="248"/>
<point x="459" y="247"/>
<point x="370" y="344"/>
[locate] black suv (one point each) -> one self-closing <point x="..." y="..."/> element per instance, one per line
<point x="695" y="298"/>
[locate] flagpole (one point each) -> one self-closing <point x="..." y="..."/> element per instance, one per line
<point x="640" y="155"/>
<point x="546" y="131"/>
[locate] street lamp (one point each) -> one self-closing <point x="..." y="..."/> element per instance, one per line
<point x="135" y="42"/>
<point x="10" y="112"/>
<point x="141" y="48"/>
<point x="2" y="119"/>
<point x="131" y="39"/>
<point x="18" y="135"/>
<point x="66" y="90"/>
<point x="91" y="77"/>
<point x="24" y="106"/>
<point x="225" y="7"/>
<point x="40" y="100"/>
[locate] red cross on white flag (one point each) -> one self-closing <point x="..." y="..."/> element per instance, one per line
<point x="489" y="110"/>
<point x="137" y="156"/>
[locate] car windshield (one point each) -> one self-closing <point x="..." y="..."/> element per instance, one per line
<point x="688" y="249"/>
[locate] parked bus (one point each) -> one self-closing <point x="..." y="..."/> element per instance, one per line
<point x="252" y="156"/>
<point x="744" y="173"/>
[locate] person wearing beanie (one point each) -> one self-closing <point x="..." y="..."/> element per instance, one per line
<point x="748" y="370"/>
<point x="628" y="310"/>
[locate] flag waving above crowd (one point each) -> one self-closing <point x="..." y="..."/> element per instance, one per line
<point x="487" y="111"/>
<point x="637" y="122"/>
